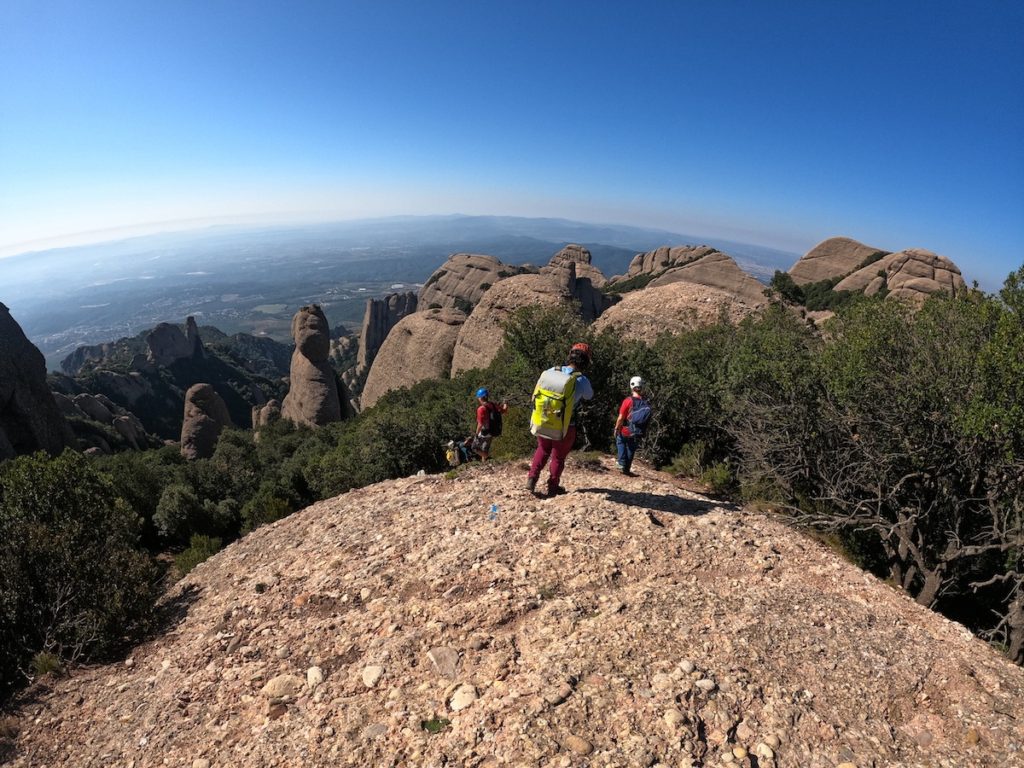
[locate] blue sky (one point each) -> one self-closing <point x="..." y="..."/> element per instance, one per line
<point x="779" y="123"/>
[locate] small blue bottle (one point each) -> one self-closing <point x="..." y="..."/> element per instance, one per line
<point x="493" y="515"/>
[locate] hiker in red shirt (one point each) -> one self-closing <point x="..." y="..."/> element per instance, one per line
<point x="488" y="423"/>
<point x="634" y="413"/>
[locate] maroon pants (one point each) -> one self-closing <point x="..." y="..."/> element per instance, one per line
<point x="556" y="450"/>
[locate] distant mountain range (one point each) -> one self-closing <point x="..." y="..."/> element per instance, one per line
<point x="252" y="279"/>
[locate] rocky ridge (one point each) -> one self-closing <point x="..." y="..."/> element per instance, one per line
<point x="29" y="417"/>
<point x="628" y="623"/>
<point x="380" y="317"/>
<point x="462" y="281"/>
<point x="911" y="275"/>
<point x="832" y="258"/>
<point x="419" y="347"/>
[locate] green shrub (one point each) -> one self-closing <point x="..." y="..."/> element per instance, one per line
<point x="72" y="579"/>
<point x="200" y="548"/>
<point x="45" y="663"/>
<point x="265" y="507"/>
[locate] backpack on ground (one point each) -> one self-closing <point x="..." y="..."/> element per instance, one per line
<point x="639" y="415"/>
<point x="553" y="403"/>
<point x="495" y="420"/>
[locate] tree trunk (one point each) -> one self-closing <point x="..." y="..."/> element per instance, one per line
<point x="1015" y="631"/>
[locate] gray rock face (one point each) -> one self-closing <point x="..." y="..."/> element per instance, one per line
<point x="482" y="333"/>
<point x="911" y="275"/>
<point x="419" y="347"/>
<point x="94" y="408"/>
<point x="73" y="363"/>
<point x="265" y="414"/>
<point x="206" y="415"/>
<point x="462" y="281"/>
<point x="716" y="270"/>
<point x="661" y="259"/>
<point x="29" y="417"/>
<point x="380" y="317"/>
<point x="835" y="257"/>
<point x="316" y="396"/>
<point x="571" y="267"/>
<point x="671" y="308"/>
<point x="168" y="344"/>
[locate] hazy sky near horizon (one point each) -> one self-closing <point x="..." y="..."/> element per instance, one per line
<point x="778" y="123"/>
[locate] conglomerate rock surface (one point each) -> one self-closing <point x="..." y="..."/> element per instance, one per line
<point x="832" y="258"/>
<point x="628" y="623"/>
<point x="912" y="275"/>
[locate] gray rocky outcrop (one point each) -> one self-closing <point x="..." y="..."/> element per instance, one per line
<point x="832" y="258"/>
<point x="719" y="271"/>
<point x="572" y="269"/>
<point x="316" y="395"/>
<point x="664" y="258"/>
<point x="167" y="343"/>
<point x="266" y="414"/>
<point x="420" y="347"/>
<point x="481" y="335"/>
<point x="911" y="275"/>
<point x="73" y="363"/>
<point x="672" y="308"/>
<point x="30" y="419"/>
<point x="462" y="281"/>
<point x="205" y="418"/>
<point x="380" y="317"/>
<point x="94" y="408"/>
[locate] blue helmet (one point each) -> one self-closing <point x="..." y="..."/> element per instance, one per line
<point x="482" y="392"/>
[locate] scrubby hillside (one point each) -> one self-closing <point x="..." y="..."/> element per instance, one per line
<point x="628" y="623"/>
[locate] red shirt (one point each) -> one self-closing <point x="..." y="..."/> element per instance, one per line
<point x="483" y="416"/>
<point x="624" y="410"/>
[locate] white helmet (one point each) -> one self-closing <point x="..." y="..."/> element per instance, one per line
<point x="636" y="383"/>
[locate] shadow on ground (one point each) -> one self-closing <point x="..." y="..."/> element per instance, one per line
<point x="659" y="502"/>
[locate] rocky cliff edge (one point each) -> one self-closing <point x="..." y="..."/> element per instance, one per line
<point x="628" y="623"/>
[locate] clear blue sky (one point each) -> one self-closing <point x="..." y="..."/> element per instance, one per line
<point x="897" y="123"/>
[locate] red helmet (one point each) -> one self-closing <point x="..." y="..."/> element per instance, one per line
<point x="584" y="348"/>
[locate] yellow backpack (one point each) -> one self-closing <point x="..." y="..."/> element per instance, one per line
<point x="553" y="403"/>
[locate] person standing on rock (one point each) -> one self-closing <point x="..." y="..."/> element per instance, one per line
<point x="634" y="414"/>
<point x="488" y="423"/>
<point x="558" y="392"/>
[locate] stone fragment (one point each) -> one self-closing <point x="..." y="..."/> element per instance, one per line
<point x="283" y="685"/>
<point x="463" y="697"/>
<point x="372" y="675"/>
<point x="445" y="660"/>
<point x="314" y="676"/>
<point x="578" y="744"/>
<point x="557" y="694"/>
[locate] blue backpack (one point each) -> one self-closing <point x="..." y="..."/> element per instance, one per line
<point x="639" y="415"/>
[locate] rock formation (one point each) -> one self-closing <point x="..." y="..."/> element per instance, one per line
<point x="576" y="276"/>
<point x="315" y="396"/>
<point x="628" y="623"/>
<point x="380" y="317"/>
<point x="832" y="258"/>
<point x="672" y="308"/>
<point x="717" y="270"/>
<point x="481" y="335"/>
<point x="419" y="347"/>
<point x="167" y="344"/>
<point x="911" y="275"/>
<point x="82" y="356"/>
<point x="462" y="281"/>
<point x="29" y="417"/>
<point x="205" y="418"/>
<point x="265" y="414"/>
<point x="661" y="259"/>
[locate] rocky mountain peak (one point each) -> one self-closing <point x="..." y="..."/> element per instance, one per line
<point x="832" y="258"/>
<point x="315" y="396"/>
<point x="206" y="416"/>
<point x="461" y="621"/>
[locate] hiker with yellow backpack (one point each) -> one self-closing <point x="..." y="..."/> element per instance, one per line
<point x="553" y="421"/>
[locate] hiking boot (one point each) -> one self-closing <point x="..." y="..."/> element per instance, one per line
<point x="556" y="490"/>
<point x="531" y="484"/>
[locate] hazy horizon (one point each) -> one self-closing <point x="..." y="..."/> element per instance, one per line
<point x="773" y="124"/>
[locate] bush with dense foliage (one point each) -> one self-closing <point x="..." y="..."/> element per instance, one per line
<point x="73" y="581"/>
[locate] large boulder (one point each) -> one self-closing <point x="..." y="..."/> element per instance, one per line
<point x="671" y="308"/>
<point x="664" y="258"/>
<point x="380" y="317"/>
<point x="832" y="258"/>
<point x="205" y="418"/>
<point x="266" y="413"/>
<point x="572" y="269"/>
<point x="168" y="344"/>
<point x="483" y="332"/>
<point x="315" y="396"/>
<point x="911" y="275"/>
<point x="29" y="417"/>
<point x="462" y="281"/>
<point x="419" y="347"/>
<point x="716" y="270"/>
